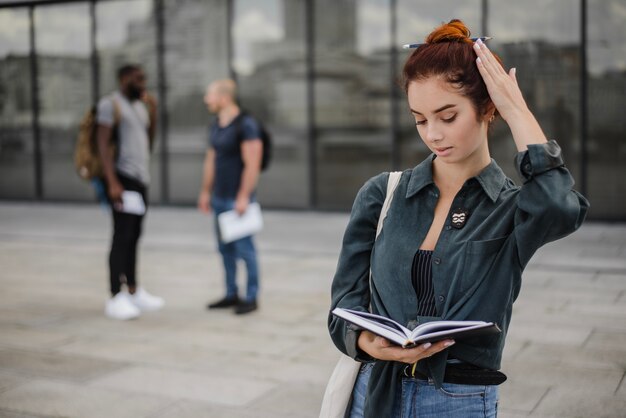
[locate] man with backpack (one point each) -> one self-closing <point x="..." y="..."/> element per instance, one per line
<point x="232" y="166"/>
<point x="125" y="129"/>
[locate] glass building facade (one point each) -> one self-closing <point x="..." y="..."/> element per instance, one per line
<point x="323" y="76"/>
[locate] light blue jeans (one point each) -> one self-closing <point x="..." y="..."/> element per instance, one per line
<point x="420" y="398"/>
<point x="231" y="252"/>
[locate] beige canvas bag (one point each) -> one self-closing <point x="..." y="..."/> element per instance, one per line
<point x="341" y="382"/>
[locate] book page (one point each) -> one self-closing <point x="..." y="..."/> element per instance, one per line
<point x="485" y="328"/>
<point x="392" y="333"/>
<point x="381" y="320"/>
<point x="434" y="326"/>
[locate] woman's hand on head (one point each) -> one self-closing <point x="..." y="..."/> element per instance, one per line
<point x="502" y="86"/>
<point x="381" y="349"/>
<point x="507" y="97"/>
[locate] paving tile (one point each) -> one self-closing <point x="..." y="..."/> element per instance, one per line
<point x="505" y="413"/>
<point x="9" y="380"/>
<point x="540" y="333"/>
<point x="5" y="413"/>
<point x="193" y="409"/>
<point x="15" y="317"/>
<point x="56" y="365"/>
<point x="267" y="367"/>
<point x="563" y="319"/>
<point x="607" y="339"/>
<point x="597" y="381"/>
<point x="143" y="352"/>
<point x="520" y="396"/>
<point x="235" y="340"/>
<point x="564" y="355"/>
<point x="323" y="351"/>
<point x="621" y="390"/>
<point x="580" y="402"/>
<point x="293" y="400"/>
<point x="27" y="337"/>
<point x="221" y="390"/>
<point x="62" y="399"/>
<point x="566" y="334"/>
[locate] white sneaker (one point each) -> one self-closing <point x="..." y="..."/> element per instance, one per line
<point x="145" y="302"/>
<point x="120" y="307"/>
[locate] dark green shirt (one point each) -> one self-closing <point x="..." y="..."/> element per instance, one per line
<point x="476" y="270"/>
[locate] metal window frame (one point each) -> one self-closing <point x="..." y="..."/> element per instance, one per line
<point x="34" y="91"/>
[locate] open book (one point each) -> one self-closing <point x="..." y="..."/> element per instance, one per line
<point x="428" y="332"/>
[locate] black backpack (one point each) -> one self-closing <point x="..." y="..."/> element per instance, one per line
<point x="265" y="137"/>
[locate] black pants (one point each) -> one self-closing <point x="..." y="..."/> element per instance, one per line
<point x="126" y="233"/>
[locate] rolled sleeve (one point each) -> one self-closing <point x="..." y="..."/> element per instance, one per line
<point x="548" y="207"/>
<point x="538" y="158"/>
<point x="352" y="345"/>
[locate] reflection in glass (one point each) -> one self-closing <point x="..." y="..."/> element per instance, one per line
<point x="352" y="97"/>
<point x="64" y="80"/>
<point x="269" y="59"/>
<point x="196" y="52"/>
<point x="545" y="50"/>
<point x="415" y="21"/>
<point x="16" y="136"/>
<point x="126" y="33"/>
<point x="352" y="124"/>
<point x="606" y="49"/>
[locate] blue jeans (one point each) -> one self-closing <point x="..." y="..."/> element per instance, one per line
<point x="231" y="252"/>
<point x="420" y="398"/>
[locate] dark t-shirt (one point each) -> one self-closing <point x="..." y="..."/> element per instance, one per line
<point x="228" y="161"/>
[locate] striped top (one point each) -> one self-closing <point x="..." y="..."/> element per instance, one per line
<point x="422" y="279"/>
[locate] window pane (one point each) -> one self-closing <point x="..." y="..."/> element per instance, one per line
<point x="606" y="86"/>
<point x="270" y="62"/>
<point x="16" y="136"/>
<point x="544" y="47"/>
<point x="62" y="42"/>
<point x="126" y="34"/>
<point x="196" y="52"/>
<point x="415" y="21"/>
<point x="352" y="97"/>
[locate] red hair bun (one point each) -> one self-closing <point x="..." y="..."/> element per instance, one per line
<point x="453" y="31"/>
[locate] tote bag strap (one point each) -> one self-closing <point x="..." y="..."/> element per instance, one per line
<point x="339" y="389"/>
<point x="392" y="184"/>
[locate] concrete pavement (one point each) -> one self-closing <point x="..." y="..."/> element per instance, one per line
<point x="60" y="357"/>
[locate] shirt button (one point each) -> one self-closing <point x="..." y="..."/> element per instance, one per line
<point x="448" y="227"/>
<point x="437" y="260"/>
<point x="527" y="167"/>
<point x="441" y="298"/>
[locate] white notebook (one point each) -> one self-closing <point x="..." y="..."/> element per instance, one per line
<point x="234" y="226"/>
<point x="132" y="202"/>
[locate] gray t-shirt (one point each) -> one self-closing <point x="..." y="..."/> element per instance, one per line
<point x="134" y="145"/>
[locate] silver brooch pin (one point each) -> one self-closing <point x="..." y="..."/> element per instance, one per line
<point x="459" y="217"/>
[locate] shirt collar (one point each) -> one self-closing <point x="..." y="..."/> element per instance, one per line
<point x="491" y="178"/>
<point x="421" y="176"/>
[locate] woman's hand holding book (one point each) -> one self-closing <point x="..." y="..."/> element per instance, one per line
<point x="382" y="349"/>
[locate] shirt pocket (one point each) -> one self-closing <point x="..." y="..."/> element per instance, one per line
<point x="479" y="259"/>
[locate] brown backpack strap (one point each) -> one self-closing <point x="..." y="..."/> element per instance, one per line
<point x="117" y="112"/>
